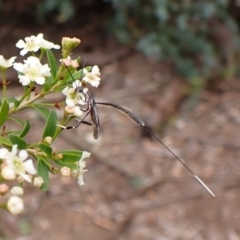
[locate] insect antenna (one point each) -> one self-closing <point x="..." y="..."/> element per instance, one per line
<point x="142" y="124"/>
<point x="71" y="73"/>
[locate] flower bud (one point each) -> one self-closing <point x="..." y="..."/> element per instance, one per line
<point x="20" y="179"/>
<point x="59" y="155"/>
<point x="3" y="189"/>
<point x="69" y="110"/>
<point x="7" y="173"/>
<point x="70" y="63"/>
<point x="47" y="140"/>
<point x="65" y="171"/>
<point x="38" y="182"/>
<point x="15" y="205"/>
<point x="68" y="44"/>
<point x="17" y="191"/>
<point x="75" y="173"/>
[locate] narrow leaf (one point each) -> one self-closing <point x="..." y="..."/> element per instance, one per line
<point x="4" y="112"/>
<point x="25" y="130"/>
<point x="52" y="63"/>
<point x="19" y="141"/>
<point x="79" y="74"/>
<point x="17" y="121"/>
<point x="5" y="141"/>
<point x="46" y="149"/>
<point x="71" y="156"/>
<point x="43" y="170"/>
<point x="51" y="125"/>
<point x="71" y="165"/>
<point x="48" y="84"/>
<point x="45" y="112"/>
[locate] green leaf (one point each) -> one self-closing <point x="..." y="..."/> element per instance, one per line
<point x="71" y="156"/>
<point x="52" y="62"/>
<point x="71" y="165"/>
<point x="14" y="101"/>
<point x="42" y="170"/>
<point x="5" y="141"/>
<point x="46" y="149"/>
<point x="16" y="120"/>
<point x="25" y="130"/>
<point x="48" y="84"/>
<point x="19" y="141"/>
<point x="45" y="112"/>
<point x="4" y="110"/>
<point x="79" y="74"/>
<point x="51" y="125"/>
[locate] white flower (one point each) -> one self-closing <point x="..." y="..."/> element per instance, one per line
<point x="34" y="43"/>
<point x="93" y="76"/>
<point x="17" y="191"/>
<point x="81" y="169"/>
<point x="30" y="45"/>
<point x="46" y="44"/>
<point x="4" y="63"/>
<point x="15" y="205"/>
<point x="32" y="70"/>
<point x="19" y="164"/>
<point x="72" y="96"/>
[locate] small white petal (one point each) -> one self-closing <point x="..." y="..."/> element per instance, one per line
<point x="40" y="80"/>
<point x="23" y="52"/>
<point x="19" y="67"/>
<point x="20" y="44"/>
<point x="70" y="102"/>
<point x="24" y="80"/>
<point x="65" y="90"/>
<point x="23" y="155"/>
<point x="14" y="150"/>
<point x="80" y="180"/>
<point x="3" y="153"/>
<point x="29" y="167"/>
<point x="85" y="154"/>
<point x="26" y="177"/>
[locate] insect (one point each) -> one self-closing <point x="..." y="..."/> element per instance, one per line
<point x="91" y="108"/>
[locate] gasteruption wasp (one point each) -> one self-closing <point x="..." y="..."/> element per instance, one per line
<point x="81" y="95"/>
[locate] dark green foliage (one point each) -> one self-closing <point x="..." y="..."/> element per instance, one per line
<point x="181" y="32"/>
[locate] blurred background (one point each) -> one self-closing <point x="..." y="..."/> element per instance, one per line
<point x="176" y="65"/>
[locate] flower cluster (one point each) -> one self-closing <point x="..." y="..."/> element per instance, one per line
<point x="74" y="97"/>
<point x="15" y="165"/>
<point x="34" y="43"/>
<point x="78" y="173"/>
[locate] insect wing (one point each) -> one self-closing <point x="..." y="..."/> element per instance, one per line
<point x="95" y="121"/>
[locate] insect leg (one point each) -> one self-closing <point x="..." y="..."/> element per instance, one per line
<point x="80" y="121"/>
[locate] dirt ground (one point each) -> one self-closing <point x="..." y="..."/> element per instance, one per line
<point x="134" y="189"/>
